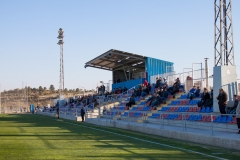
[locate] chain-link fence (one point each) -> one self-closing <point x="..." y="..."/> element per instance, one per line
<point x="14" y="101"/>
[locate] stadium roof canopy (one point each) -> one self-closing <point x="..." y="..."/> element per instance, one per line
<point x="116" y="60"/>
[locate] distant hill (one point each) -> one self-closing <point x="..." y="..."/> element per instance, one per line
<point x="40" y="96"/>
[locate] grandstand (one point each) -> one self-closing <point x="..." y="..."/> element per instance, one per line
<point x="174" y="110"/>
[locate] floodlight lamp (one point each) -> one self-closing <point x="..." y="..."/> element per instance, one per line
<point x="119" y="61"/>
<point x="60" y="42"/>
<point x="60" y="31"/>
<point x="60" y="36"/>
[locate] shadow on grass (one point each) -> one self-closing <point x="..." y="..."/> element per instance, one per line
<point x="132" y="149"/>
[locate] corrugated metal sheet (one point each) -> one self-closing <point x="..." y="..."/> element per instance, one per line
<point x="156" y="66"/>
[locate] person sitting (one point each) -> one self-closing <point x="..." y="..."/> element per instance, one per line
<point x="205" y="97"/>
<point x="145" y="91"/>
<point x="158" y="82"/>
<point x="175" y="88"/>
<point x="191" y="91"/>
<point x="156" y="101"/>
<point x="151" y="98"/>
<point x="145" y="83"/>
<point x="125" y="89"/>
<point x="195" y="94"/>
<point x="164" y="95"/>
<point x="232" y="110"/>
<point x="131" y="102"/>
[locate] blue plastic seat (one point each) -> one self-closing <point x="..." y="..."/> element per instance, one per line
<point x="195" y="118"/>
<point x="207" y="110"/>
<point x="199" y="118"/>
<point x="218" y="119"/>
<point x="229" y="119"/>
<point x="202" y="110"/>
<point x="224" y="119"/>
<point x="211" y="109"/>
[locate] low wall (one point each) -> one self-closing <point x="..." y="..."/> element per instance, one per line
<point x="193" y="135"/>
<point x="197" y="137"/>
<point x="64" y="116"/>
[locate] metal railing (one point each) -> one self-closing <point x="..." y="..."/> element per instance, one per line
<point x="211" y="124"/>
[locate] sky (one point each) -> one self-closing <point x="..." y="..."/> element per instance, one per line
<point x="180" y="31"/>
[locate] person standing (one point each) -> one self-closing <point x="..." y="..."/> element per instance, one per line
<point x="58" y="112"/>
<point x="82" y="114"/>
<point x="222" y="101"/>
<point x="238" y="115"/>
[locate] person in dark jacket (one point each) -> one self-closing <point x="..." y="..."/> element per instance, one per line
<point x="131" y="102"/>
<point x="222" y="101"/>
<point x="58" y="112"/>
<point x="205" y="97"/>
<point x="82" y="113"/>
<point x="145" y="92"/>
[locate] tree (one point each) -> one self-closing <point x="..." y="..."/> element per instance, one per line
<point x="65" y="91"/>
<point x="44" y="89"/>
<point x="77" y="90"/>
<point x="52" y="88"/>
<point x="36" y="96"/>
<point x="29" y="90"/>
<point x="40" y="89"/>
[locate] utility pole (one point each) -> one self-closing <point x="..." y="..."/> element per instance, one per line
<point x="61" y="78"/>
<point x="206" y="72"/>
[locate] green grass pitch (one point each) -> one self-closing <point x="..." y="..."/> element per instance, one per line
<point x="39" y="137"/>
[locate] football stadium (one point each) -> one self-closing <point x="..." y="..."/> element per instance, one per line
<point x="146" y="111"/>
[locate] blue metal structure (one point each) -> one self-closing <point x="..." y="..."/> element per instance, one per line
<point x="156" y="66"/>
<point x="128" y="84"/>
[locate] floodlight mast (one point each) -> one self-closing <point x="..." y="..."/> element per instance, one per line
<point x="223" y="27"/>
<point x="61" y="78"/>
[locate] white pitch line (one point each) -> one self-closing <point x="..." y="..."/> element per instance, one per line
<point x="179" y="148"/>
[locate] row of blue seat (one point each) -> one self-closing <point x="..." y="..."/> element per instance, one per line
<point x="206" y="109"/>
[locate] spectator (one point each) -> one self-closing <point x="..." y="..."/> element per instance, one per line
<point x="209" y="102"/>
<point x="175" y="88"/>
<point x="131" y="102"/>
<point x="191" y="92"/>
<point x="82" y="113"/>
<point x="145" y="91"/>
<point x="205" y="97"/>
<point x="158" y="82"/>
<point x="238" y="114"/>
<point x="222" y="101"/>
<point x="118" y="80"/>
<point x="232" y="110"/>
<point x="196" y="93"/>
<point x="103" y="89"/>
<point x="58" y="112"/>
<point x="164" y="95"/>
<point x="156" y="101"/>
<point x="104" y="110"/>
<point x="145" y="83"/>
